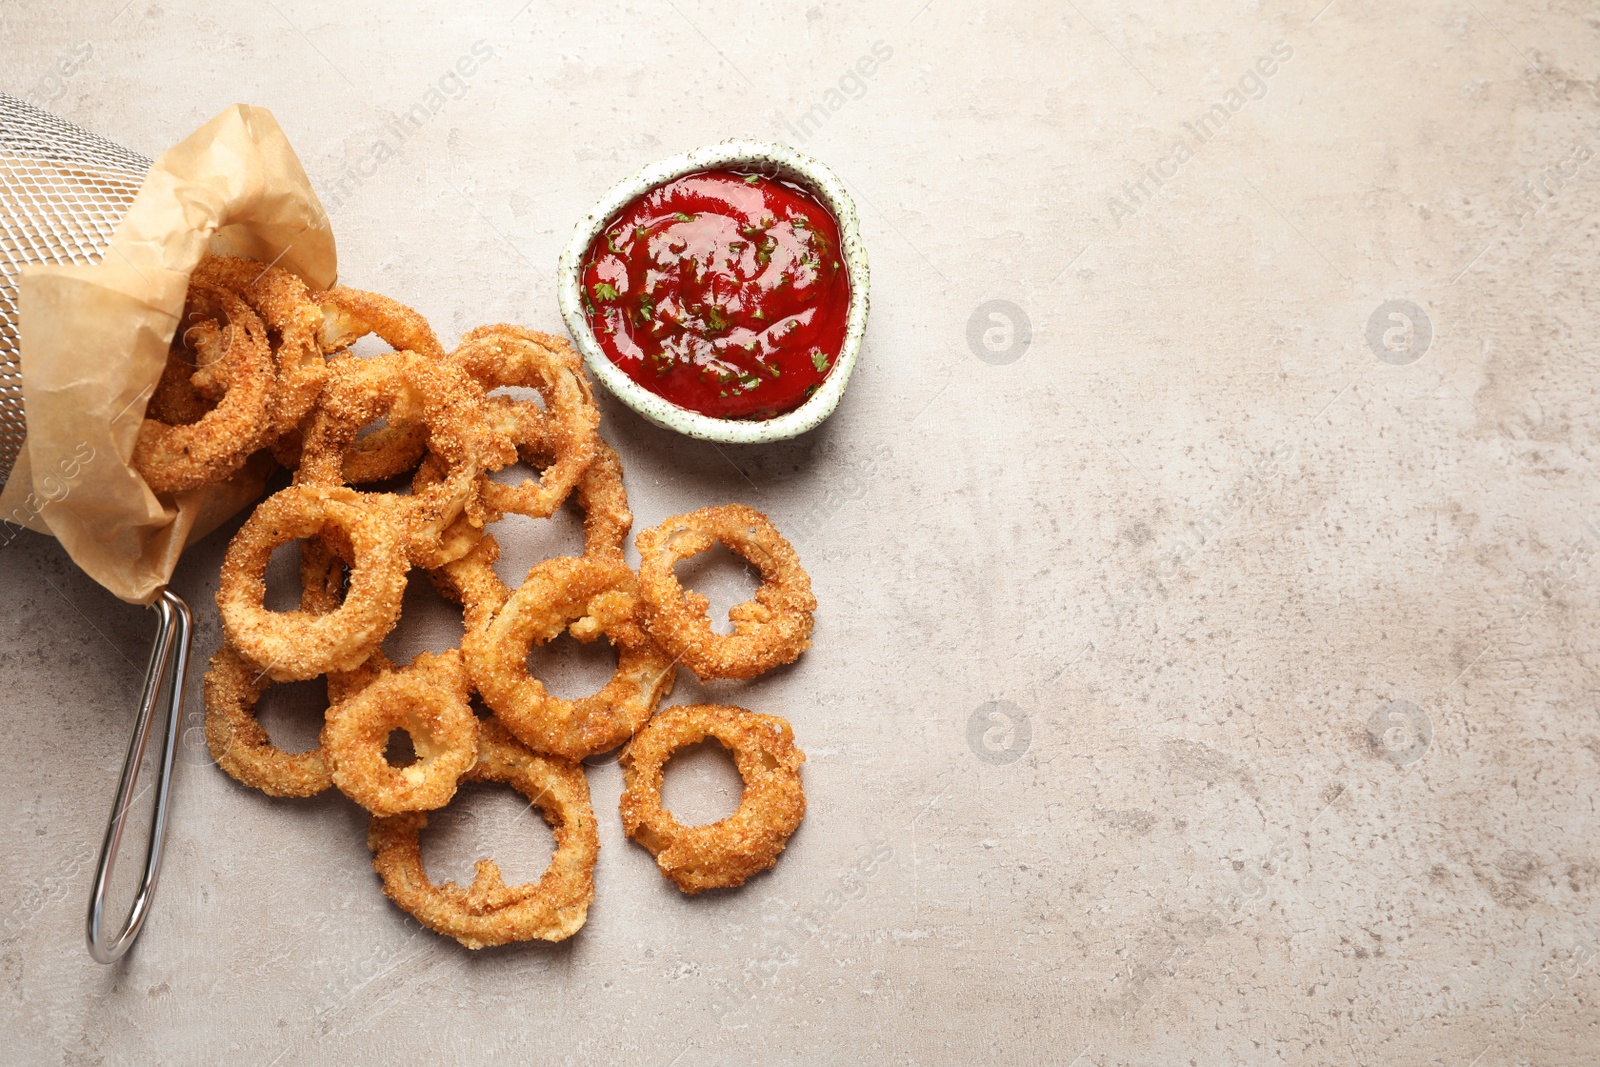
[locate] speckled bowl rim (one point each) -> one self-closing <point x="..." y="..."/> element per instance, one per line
<point x="768" y="157"/>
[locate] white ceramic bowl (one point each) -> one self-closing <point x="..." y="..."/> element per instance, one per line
<point x="769" y="158"/>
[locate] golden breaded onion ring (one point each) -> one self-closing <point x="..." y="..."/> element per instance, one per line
<point x="349" y="315"/>
<point x="324" y="568"/>
<point x="726" y="852"/>
<point x="195" y="376"/>
<point x="489" y="912"/>
<point x="428" y="700"/>
<point x="470" y="581"/>
<point x="505" y="355"/>
<point x="771" y="629"/>
<point x="599" y="494"/>
<point x="604" y="503"/>
<point x="441" y="397"/>
<point x="176" y="401"/>
<point x="240" y="745"/>
<point x="285" y="304"/>
<point x="233" y="687"/>
<point x="172" y="459"/>
<point x="296" y="645"/>
<point x="590" y="596"/>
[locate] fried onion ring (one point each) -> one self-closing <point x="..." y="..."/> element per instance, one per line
<point x="505" y="355"/>
<point x="604" y="503"/>
<point x="324" y="567"/>
<point x="233" y="688"/>
<point x="448" y="402"/>
<point x="428" y="700"/>
<point x="471" y="582"/>
<point x="588" y="596"/>
<point x="176" y="401"/>
<point x="600" y="493"/>
<point x="386" y="451"/>
<point x="296" y="645"/>
<point x="172" y="459"/>
<point x="489" y="912"/>
<point x="726" y="852"/>
<point x="237" y="741"/>
<point x="771" y="629"/>
<point x="350" y="314"/>
<point x="284" y="303"/>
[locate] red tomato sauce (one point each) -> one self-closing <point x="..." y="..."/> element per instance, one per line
<point x="723" y="292"/>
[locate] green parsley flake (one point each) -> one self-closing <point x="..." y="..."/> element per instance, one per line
<point x="683" y="217"/>
<point x="604" y="291"/>
<point x="819" y="360"/>
<point x="751" y="179"/>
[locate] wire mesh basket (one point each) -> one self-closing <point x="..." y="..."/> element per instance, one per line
<point x="62" y="192"/>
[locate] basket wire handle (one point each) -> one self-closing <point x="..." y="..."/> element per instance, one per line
<point x="169" y="663"/>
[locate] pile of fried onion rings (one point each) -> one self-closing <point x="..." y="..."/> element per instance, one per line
<point x="391" y="457"/>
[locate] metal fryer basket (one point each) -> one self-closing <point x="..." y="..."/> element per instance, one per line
<point x="62" y="192"/>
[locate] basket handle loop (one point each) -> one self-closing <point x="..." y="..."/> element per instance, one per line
<point x="169" y="663"/>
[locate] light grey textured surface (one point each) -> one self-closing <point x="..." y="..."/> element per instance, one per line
<point x="1195" y="537"/>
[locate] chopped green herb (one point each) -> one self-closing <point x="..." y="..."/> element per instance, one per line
<point x="611" y="243"/>
<point x="751" y="179"/>
<point x="715" y="320"/>
<point x="683" y="216"/>
<point x="809" y="390"/>
<point x="758" y="313"/>
<point x="640" y="233"/>
<point x="647" y="309"/>
<point x="604" y="291"/>
<point x="819" y="360"/>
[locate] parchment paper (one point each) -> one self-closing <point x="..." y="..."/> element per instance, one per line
<point x="94" y="340"/>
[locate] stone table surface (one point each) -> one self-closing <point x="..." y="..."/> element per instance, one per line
<point x="1206" y="669"/>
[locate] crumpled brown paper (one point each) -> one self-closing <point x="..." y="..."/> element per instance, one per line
<point x="94" y="340"/>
